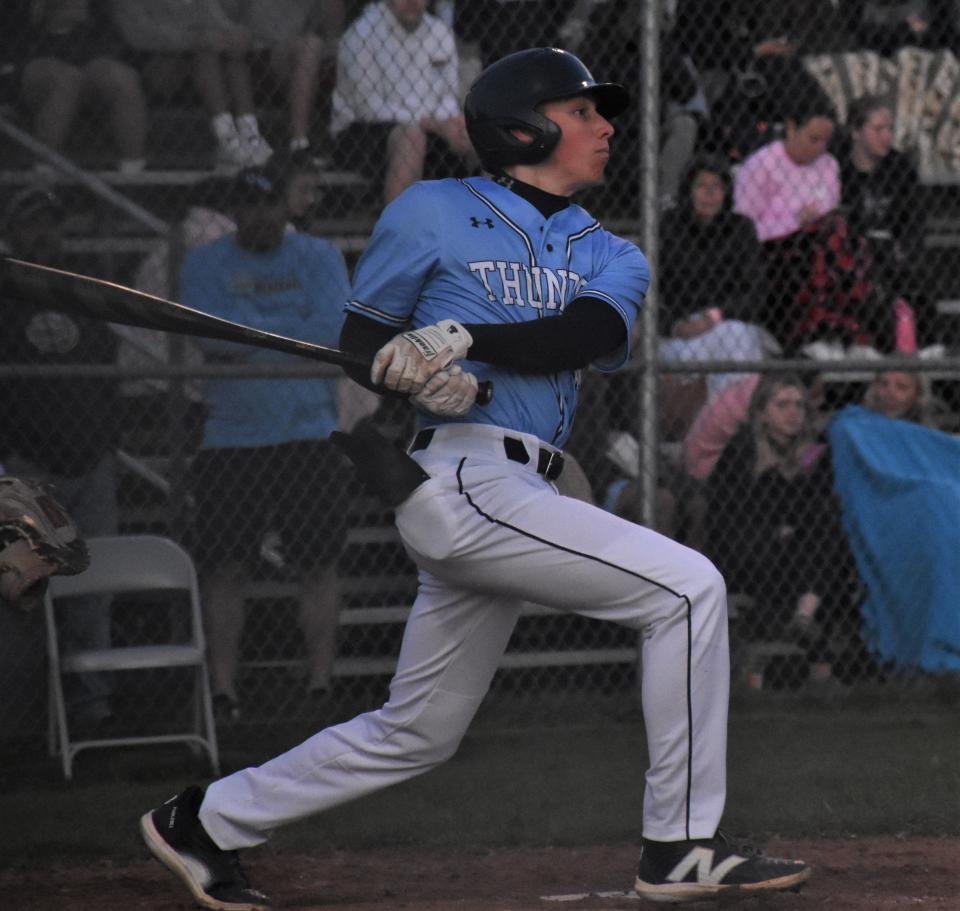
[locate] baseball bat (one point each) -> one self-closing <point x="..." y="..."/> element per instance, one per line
<point x="83" y="295"/>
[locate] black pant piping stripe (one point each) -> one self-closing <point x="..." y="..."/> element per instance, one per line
<point x="689" y="713"/>
<point x="630" y="572"/>
<point x="568" y="550"/>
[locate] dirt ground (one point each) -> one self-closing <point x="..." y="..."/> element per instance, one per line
<point x="856" y="874"/>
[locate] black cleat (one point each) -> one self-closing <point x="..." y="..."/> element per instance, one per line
<point x="686" y="871"/>
<point x="177" y="839"/>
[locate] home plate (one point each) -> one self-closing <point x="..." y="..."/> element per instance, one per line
<point x="580" y="896"/>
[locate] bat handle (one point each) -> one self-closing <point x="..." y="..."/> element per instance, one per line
<point x="484" y="392"/>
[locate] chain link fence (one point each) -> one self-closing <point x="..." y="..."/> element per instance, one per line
<point x="792" y="409"/>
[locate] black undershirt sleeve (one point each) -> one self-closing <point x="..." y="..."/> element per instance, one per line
<point x="587" y="329"/>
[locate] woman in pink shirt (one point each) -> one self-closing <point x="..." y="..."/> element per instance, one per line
<point x="793" y="181"/>
<point x="817" y="270"/>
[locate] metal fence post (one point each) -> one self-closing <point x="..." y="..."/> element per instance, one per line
<point x="649" y="228"/>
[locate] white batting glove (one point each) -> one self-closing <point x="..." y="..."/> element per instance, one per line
<point x="408" y="360"/>
<point x="449" y="393"/>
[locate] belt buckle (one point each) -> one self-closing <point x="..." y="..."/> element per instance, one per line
<point x="554" y="466"/>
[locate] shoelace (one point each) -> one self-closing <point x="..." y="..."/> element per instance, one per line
<point x="737" y="845"/>
<point x="745" y="848"/>
<point x="239" y="874"/>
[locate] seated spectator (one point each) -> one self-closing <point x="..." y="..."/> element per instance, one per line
<point x="879" y="192"/>
<point x="900" y="490"/>
<point x="396" y="112"/>
<point x="74" y="57"/>
<point x="712" y="284"/>
<point x="613" y="35"/>
<point x="297" y="40"/>
<point x="886" y="26"/>
<point x="62" y="430"/>
<point x="158" y="274"/>
<point x="703" y="444"/>
<point x="905" y="396"/>
<point x="265" y="463"/>
<point x="749" y="54"/>
<point x="715" y="424"/>
<point x="500" y="27"/>
<point x="722" y="417"/>
<point x="878" y="183"/>
<point x="794" y="181"/>
<point x="208" y="218"/>
<point x="772" y="524"/>
<point x="198" y="39"/>
<point x="817" y="271"/>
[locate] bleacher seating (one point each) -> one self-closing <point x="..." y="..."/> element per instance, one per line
<point x="180" y="163"/>
<point x="104" y="241"/>
<point x="379" y="584"/>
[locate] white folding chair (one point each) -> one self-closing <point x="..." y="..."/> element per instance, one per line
<point x="131" y="565"/>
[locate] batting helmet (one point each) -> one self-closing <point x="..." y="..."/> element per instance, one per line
<point x="505" y="95"/>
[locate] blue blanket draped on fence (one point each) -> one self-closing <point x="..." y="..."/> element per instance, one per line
<point x="899" y="484"/>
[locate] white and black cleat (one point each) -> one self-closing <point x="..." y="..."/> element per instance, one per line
<point x="175" y="836"/>
<point x="687" y="871"/>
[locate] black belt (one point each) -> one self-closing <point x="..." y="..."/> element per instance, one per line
<point x="549" y="461"/>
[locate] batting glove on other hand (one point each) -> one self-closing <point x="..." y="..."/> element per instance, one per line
<point x="449" y="393"/>
<point x="408" y="360"/>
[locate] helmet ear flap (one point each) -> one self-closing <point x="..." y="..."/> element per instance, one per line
<point x="539" y="138"/>
<point x="545" y="143"/>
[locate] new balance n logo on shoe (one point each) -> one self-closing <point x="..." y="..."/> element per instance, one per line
<point x="701" y="861"/>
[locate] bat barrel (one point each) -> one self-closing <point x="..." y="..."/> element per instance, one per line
<point x="83" y="295"/>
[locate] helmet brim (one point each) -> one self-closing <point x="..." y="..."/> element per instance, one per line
<point x="611" y="98"/>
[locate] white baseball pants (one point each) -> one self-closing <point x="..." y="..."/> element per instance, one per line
<point x="488" y="534"/>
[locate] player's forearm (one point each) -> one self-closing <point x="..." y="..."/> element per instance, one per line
<point x="586" y="330"/>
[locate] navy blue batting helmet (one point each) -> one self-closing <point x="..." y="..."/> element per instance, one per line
<point x="504" y="97"/>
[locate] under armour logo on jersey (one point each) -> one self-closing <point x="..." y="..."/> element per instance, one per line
<point x="476" y="222"/>
<point x="701" y="860"/>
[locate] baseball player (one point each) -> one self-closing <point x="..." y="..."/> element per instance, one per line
<point x="503" y="278"/>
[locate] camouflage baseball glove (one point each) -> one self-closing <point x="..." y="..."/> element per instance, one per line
<point x="37" y="540"/>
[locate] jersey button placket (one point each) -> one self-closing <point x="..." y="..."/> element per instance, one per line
<point x="546" y="247"/>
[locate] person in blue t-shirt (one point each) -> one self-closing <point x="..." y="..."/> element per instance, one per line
<point x="262" y="434"/>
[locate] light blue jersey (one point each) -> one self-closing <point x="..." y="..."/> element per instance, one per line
<point x="298" y="290"/>
<point x="474" y="251"/>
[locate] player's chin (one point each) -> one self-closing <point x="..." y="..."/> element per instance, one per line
<point x="596" y="177"/>
<point x="600" y="166"/>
